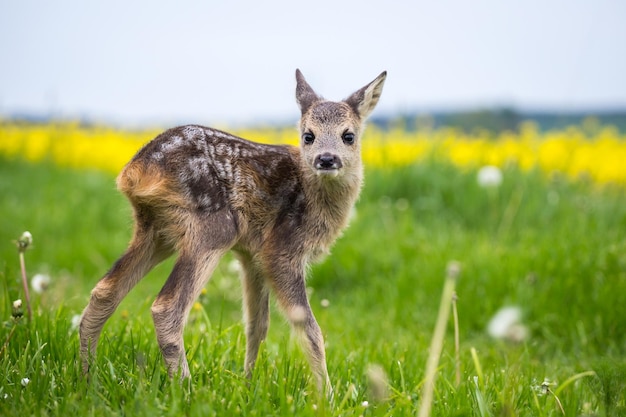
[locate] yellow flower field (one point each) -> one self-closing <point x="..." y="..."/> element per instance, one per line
<point x="600" y="155"/>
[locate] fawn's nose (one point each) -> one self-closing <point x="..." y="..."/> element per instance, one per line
<point x="327" y="161"/>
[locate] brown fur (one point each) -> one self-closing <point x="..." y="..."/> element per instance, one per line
<point x="200" y="192"/>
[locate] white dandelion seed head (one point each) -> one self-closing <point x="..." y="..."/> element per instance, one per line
<point x="507" y="324"/>
<point x="26" y="238"/>
<point x="377" y="382"/>
<point x="544" y="387"/>
<point x="297" y="315"/>
<point x="453" y="269"/>
<point x="40" y="283"/>
<point x="234" y="267"/>
<point x="76" y="321"/>
<point x="517" y="333"/>
<point x="24" y="241"/>
<point x="489" y="176"/>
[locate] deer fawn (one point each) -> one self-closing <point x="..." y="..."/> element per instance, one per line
<point x="201" y="192"/>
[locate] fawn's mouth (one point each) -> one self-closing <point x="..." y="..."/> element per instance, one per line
<point x="330" y="172"/>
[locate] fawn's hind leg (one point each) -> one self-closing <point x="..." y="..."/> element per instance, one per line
<point x="143" y="253"/>
<point x="202" y="245"/>
<point x="171" y="308"/>
<point x="255" y="308"/>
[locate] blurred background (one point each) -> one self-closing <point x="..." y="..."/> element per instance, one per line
<point x="145" y="63"/>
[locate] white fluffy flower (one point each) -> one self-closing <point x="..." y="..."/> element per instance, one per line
<point x="507" y="324"/>
<point x="377" y="382"/>
<point x="76" y="321"/>
<point x="25" y="381"/>
<point x="489" y="176"/>
<point x="40" y="283"/>
<point x="234" y="267"/>
<point x="17" y="304"/>
<point x="24" y="241"/>
<point x="27" y="237"/>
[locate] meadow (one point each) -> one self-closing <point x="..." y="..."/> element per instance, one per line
<point x="549" y="240"/>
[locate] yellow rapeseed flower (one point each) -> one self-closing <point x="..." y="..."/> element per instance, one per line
<point x="589" y="151"/>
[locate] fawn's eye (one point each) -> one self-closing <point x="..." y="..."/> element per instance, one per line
<point x="308" y="138"/>
<point x="348" y="138"/>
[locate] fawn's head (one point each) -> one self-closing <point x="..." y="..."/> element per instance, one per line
<point x="330" y="131"/>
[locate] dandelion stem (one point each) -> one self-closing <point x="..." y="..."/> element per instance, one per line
<point x="8" y="339"/>
<point x="436" y="344"/>
<point x="25" y="284"/>
<point x="457" y="355"/>
<point x="557" y="400"/>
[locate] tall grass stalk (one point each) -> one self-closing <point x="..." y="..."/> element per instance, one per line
<point x="436" y="344"/>
<point x="457" y="353"/>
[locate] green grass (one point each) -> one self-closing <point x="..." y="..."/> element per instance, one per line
<point x="555" y="248"/>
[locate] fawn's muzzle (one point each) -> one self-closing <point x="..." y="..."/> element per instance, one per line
<point x="327" y="162"/>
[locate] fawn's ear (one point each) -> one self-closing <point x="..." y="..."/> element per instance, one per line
<point x="305" y="96"/>
<point x="364" y="100"/>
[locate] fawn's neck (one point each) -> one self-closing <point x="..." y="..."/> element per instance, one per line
<point x="331" y="199"/>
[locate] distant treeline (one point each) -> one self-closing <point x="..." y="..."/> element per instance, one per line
<point x="499" y="120"/>
<point x="494" y="120"/>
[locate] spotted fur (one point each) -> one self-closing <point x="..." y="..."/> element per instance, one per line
<point x="200" y="192"/>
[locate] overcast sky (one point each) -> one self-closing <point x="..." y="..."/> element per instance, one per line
<point x="216" y="61"/>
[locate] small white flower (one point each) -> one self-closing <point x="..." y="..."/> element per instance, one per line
<point x="27" y="238"/>
<point x="506" y="324"/>
<point x="489" y="176"/>
<point x="234" y="267"/>
<point x="25" y="381"/>
<point x="24" y="241"/>
<point x="297" y="315"/>
<point x="17" y="309"/>
<point x="325" y="303"/>
<point x="76" y="321"/>
<point x="365" y="404"/>
<point x="377" y="382"/>
<point x="544" y="388"/>
<point x="453" y="269"/>
<point x="40" y="283"/>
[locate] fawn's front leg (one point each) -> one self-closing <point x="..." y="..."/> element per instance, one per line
<point x="287" y="277"/>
